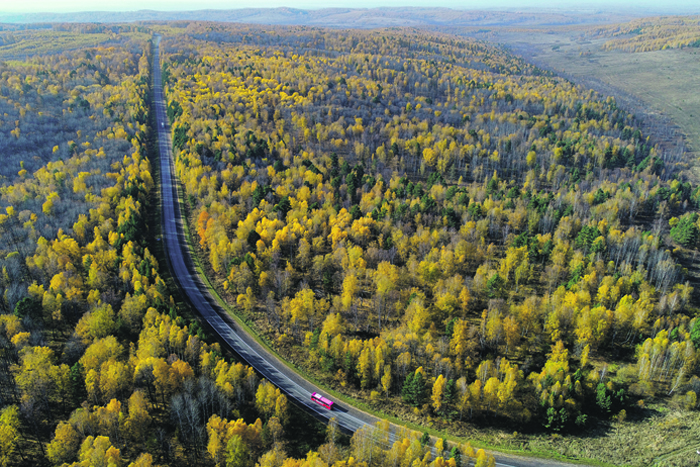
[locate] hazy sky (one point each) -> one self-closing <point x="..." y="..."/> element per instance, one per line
<point x="34" y="6"/>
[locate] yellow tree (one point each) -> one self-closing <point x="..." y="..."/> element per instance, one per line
<point x="333" y="325"/>
<point x="463" y="396"/>
<point x="386" y="279"/>
<point x="96" y="324"/>
<point x="144" y="460"/>
<point x="464" y="299"/>
<point x="37" y="377"/>
<point x="417" y="315"/>
<point x="247" y="300"/>
<point x="114" y="379"/>
<point x="349" y="290"/>
<point x="430" y="156"/>
<point x="281" y="408"/>
<point x="304" y="309"/>
<point x="64" y="445"/>
<point x="484" y="460"/>
<point x="9" y="434"/>
<point x="110" y="419"/>
<point x="98" y="451"/>
<point x="221" y="431"/>
<point x="508" y="384"/>
<point x="268" y="398"/>
<point x="511" y="330"/>
<point x="139" y="420"/>
<point x="438" y="392"/>
<point x="491" y="392"/>
<point x="364" y="367"/>
<point x="386" y="380"/>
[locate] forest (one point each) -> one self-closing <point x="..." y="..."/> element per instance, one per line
<point x="101" y="366"/>
<point x="648" y="34"/>
<point x="436" y="227"/>
<point x="425" y="223"/>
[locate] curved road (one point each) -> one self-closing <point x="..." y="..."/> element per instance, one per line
<point x="183" y="270"/>
<point x="182" y="267"/>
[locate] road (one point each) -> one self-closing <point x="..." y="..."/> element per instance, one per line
<point x="182" y="266"/>
<point x="265" y="363"/>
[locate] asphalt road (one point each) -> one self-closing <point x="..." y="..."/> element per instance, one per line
<point x="265" y="363"/>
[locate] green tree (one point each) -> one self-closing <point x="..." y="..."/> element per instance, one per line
<point x="425" y="439"/>
<point x="457" y="456"/>
<point x="28" y="306"/>
<point x="77" y="383"/>
<point x="237" y="453"/>
<point x="495" y="286"/>
<point x="695" y="333"/>
<point x="685" y="231"/>
<point x="414" y="391"/>
<point x="602" y="398"/>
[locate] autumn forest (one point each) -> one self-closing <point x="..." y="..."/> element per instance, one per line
<point x="423" y="223"/>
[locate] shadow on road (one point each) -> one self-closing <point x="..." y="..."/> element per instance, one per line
<point x="339" y="408"/>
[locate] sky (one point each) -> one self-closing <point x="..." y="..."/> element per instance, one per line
<point x="64" y="6"/>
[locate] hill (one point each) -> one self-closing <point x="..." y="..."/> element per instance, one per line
<point x="344" y="17"/>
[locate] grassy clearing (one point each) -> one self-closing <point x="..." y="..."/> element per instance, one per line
<point x="18" y="63"/>
<point x="665" y="437"/>
<point x="666" y="80"/>
<point x="50" y="42"/>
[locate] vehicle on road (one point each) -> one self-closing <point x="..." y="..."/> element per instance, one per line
<point x="320" y="400"/>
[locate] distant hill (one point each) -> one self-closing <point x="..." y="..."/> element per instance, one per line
<point x="342" y="17"/>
